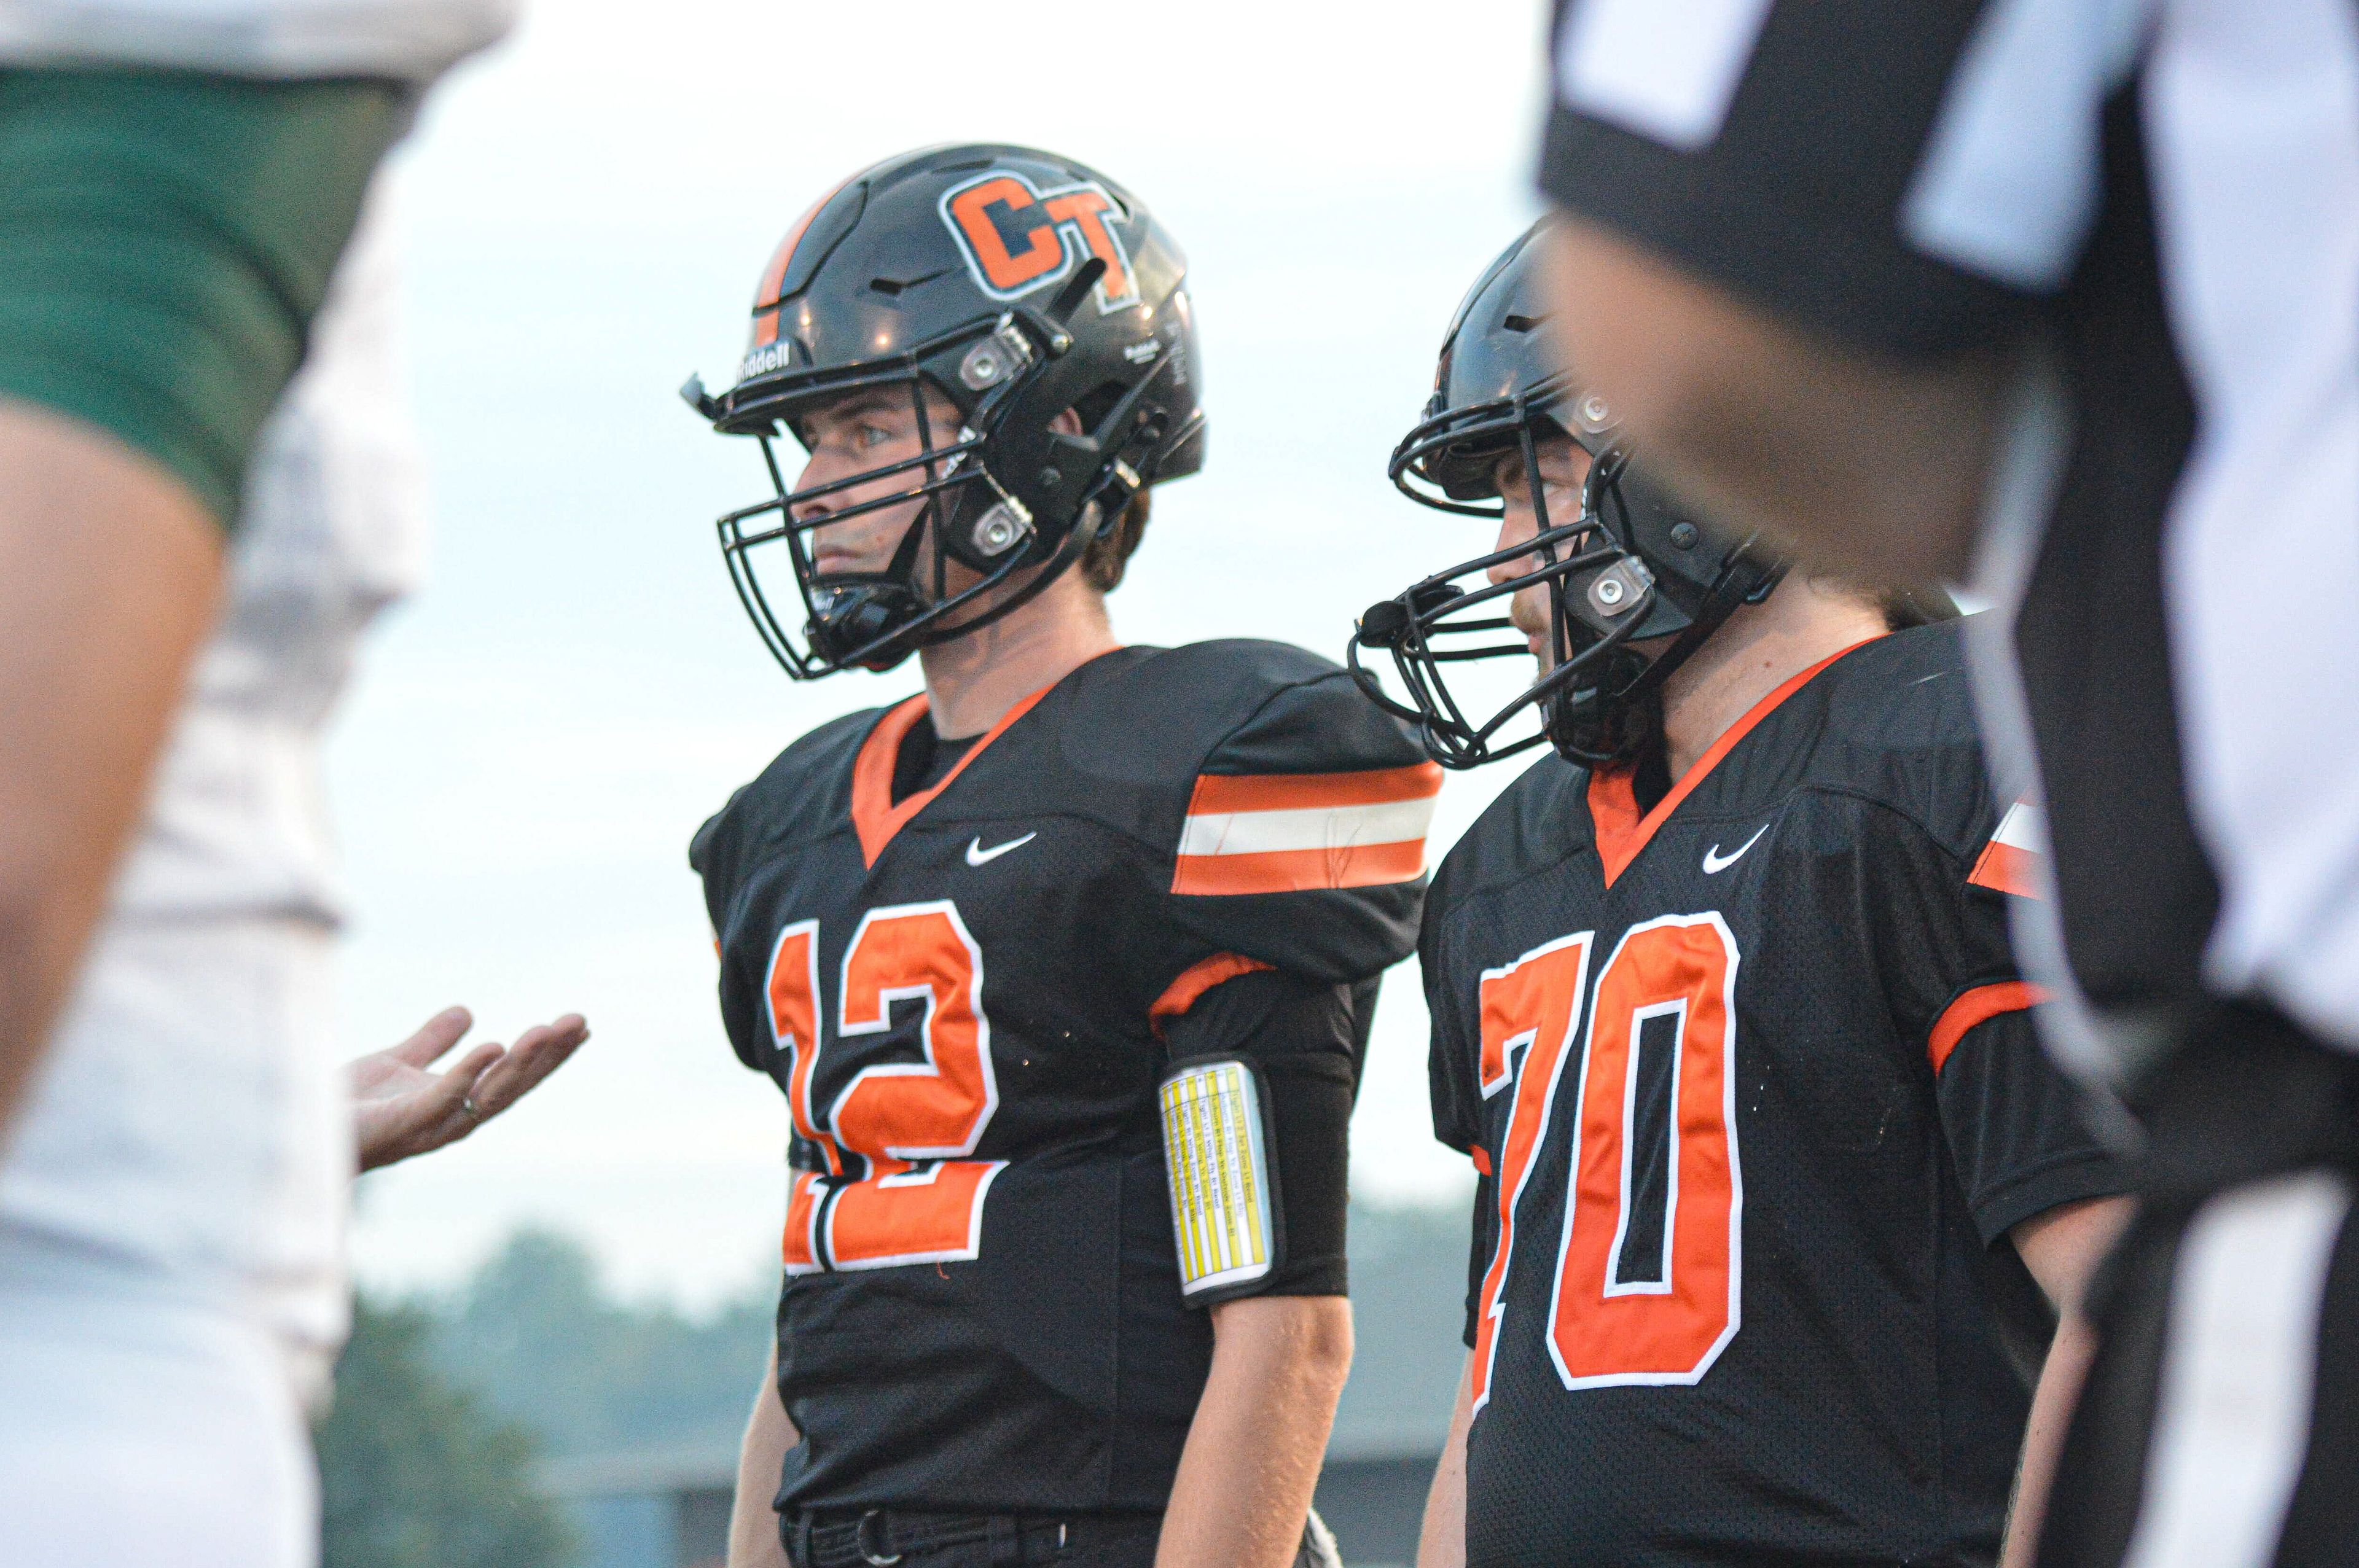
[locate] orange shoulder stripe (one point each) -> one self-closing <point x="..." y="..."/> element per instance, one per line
<point x="2003" y="868"/>
<point x="1312" y="792"/>
<point x="1196" y="980"/>
<point x="1977" y="1006"/>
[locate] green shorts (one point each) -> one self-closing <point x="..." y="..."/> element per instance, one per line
<point x="165" y="240"/>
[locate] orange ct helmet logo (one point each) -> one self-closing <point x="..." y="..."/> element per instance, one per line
<point x="1016" y="239"/>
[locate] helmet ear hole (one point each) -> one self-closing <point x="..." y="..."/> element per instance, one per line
<point x="1092" y="406"/>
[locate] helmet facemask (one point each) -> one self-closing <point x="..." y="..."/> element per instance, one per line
<point x="1617" y="625"/>
<point x="873" y="619"/>
<point x="1633" y="586"/>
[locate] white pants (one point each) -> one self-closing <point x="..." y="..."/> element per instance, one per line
<point x="171" y="1205"/>
<point x="139" y="1429"/>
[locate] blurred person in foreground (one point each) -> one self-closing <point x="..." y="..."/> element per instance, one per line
<point x="180" y="177"/>
<point x="2066" y="292"/>
<point x="1064" y="965"/>
<point x="1724" y="1013"/>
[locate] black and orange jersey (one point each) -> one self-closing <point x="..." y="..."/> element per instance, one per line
<point x="964" y="996"/>
<point x="1752" y="1087"/>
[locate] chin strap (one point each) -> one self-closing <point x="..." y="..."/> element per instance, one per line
<point x="863" y="614"/>
<point x="1565" y="728"/>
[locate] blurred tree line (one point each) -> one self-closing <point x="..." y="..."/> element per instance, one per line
<point x="416" y="1473"/>
<point x="443" y="1406"/>
<point x="588" y="1374"/>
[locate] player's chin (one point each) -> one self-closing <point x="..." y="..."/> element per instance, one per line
<point x="1536" y="638"/>
<point x="843" y="568"/>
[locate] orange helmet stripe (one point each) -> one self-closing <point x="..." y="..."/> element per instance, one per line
<point x="774" y="276"/>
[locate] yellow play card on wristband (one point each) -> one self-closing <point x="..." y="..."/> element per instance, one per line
<point x="1220" y="1175"/>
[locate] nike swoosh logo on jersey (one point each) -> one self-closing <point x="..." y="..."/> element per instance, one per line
<point x="1714" y="862"/>
<point x="976" y="855"/>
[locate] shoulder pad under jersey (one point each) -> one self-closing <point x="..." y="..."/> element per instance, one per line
<point x="1293" y="812"/>
<point x="1900" y="728"/>
<point x="804" y="795"/>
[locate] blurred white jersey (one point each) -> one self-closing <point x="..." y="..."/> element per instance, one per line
<point x="415" y="40"/>
<point x="189" y="1136"/>
<point x="333" y="530"/>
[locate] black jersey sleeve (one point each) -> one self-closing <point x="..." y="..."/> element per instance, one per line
<point x="712" y="855"/>
<point x="1453" y="1074"/>
<point x="2016" y="1136"/>
<point x="799" y="798"/>
<point x="1905" y="178"/>
<point x="1301" y="843"/>
<point x="1297" y="875"/>
<point x="1306" y="1040"/>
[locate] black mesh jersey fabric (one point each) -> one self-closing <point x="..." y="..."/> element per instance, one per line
<point x="926" y="758"/>
<point x="981" y="1308"/>
<point x="1755" y="1306"/>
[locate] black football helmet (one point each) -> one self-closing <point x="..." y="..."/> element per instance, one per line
<point x="1016" y="285"/>
<point x="1631" y="568"/>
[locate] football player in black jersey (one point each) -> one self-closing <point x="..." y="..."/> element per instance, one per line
<point x="1064" y="965"/>
<point x="1777" y="1194"/>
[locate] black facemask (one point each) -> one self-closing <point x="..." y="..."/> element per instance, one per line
<point x="1629" y="568"/>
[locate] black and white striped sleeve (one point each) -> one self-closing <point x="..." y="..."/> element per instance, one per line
<point x="1902" y="176"/>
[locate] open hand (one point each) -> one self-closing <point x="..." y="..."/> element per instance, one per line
<point x="401" y="1109"/>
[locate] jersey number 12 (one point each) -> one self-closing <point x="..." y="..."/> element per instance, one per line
<point x="1617" y="1316"/>
<point x="917" y="1202"/>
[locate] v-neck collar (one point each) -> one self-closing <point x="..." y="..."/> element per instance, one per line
<point x="1613" y="802"/>
<point x="875" y="815"/>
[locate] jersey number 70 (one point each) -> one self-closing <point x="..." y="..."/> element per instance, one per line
<point x="916" y="1201"/>
<point x="1617" y="1316"/>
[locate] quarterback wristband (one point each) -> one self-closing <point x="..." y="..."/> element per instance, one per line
<point x="1220" y="1153"/>
<point x="165" y="240"/>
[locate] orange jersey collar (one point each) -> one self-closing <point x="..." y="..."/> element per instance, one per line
<point x="874" y="815"/>
<point x="1613" y="802"/>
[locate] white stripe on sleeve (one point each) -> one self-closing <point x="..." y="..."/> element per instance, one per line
<point x="2009" y="181"/>
<point x="2238" y="1363"/>
<point x="2021" y="829"/>
<point x="1666" y="68"/>
<point x="1318" y="827"/>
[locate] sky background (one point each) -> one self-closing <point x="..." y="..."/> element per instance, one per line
<point x="530" y="743"/>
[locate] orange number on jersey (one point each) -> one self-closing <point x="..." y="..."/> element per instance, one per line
<point x="1533" y="1004"/>
<point x="917" y="1203"/>
<point x="1669" y="1325"/>
<point x="793" y="987"/>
